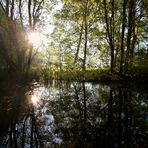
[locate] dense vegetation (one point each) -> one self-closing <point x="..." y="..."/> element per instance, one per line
<point x="83" y="42"/>
<point x="15" y="50"/>
<point x="91" y="39"/>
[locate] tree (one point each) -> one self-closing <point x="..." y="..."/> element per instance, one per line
<point x="15" y="47"/>
<point x="110" y="30"/>
<point x="122" y="36"/>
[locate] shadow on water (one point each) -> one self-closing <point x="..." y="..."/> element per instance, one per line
<point x="74" y="115"/>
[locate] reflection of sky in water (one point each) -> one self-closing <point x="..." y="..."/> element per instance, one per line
<point x="41" y="93"/>
<point x="57" y="139"/>
<point x="60" y="115"/>
<point x="40" y="97"/>
<point x="143" y="104"/>
<point x="43" y="97"/>
<point x="35" y="99"/>
<point x="50" y="119"/>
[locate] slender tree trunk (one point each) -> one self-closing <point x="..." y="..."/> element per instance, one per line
<point x="126" y="68"/>
<point x="12" y="9"/>
<point x="79" y="43"/>
<point x="7" y="8"/>
<point x="29" y="14"/>
<point x="31" y="46"/>
<point x="86" y="35"/>
<point x="20" y="12"/>
<point x="28" y="63"/>
<point x="122" y="36"/>
<point x="60" y="62"/>
<point x="134" y="36"/>
<point x="132" y="47"/>
<point x="1" y="5"/>
<point x="109" y="30"/>
<point x="36" y="11"/>
<point x="112" y="35"/>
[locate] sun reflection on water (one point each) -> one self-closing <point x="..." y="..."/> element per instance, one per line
<point x="35" y="99"/>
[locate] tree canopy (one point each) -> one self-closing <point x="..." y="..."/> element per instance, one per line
<point x="83" y="34"/>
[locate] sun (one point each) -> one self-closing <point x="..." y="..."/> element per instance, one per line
<point x="36" y="39"/>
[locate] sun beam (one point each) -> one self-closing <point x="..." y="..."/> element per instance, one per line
<point x="36" y="39"/>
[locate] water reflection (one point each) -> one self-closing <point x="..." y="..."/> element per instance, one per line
<point x="75" y="115"/>
<point x="34" y="99"/>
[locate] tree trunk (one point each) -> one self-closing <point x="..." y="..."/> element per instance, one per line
<point x="29" y="14"/>
<point x="31" y="46"/>
<point x="20" y="12"/>
<point x="134" y="36"/>
<point x="7" y="8"/>
<point x="110" y="32"/>
<point x="79" y="43"/>
<point x="86" y="35"/>
<point x="12" y="9"/>
<point x="122" y="36"/>
<point x="1" y="5"/>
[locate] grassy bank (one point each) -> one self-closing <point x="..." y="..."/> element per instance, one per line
<point x="136" y="75"/>
<point x="98" y="75"/>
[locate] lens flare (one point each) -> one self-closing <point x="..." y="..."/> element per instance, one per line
<point x="35" y="38"/>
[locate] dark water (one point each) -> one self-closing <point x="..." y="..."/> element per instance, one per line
<point x="73" y="115"/>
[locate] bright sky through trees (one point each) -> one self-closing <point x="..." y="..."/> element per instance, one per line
<point x="84" y="34"/>
<point x="38" y="40"/>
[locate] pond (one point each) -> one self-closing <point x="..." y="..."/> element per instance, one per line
<point x="73" y="115"/>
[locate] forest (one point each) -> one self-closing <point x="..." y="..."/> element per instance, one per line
<point x="79" y="39"/>
<point x="73" y="73"/>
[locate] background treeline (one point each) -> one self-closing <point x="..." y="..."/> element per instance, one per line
<point x="91" y="34"/>
<point x="88" y="35"/>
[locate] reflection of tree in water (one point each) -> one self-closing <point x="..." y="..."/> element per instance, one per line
<point x="107" y="119"/>
<point x="21" y="129"/>
<point x="79" y="115"/>
<point x="24" y="134"/>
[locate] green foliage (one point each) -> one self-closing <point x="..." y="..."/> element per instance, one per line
<point x="99" y="22"/>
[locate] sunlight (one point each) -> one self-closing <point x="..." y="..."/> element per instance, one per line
<point x="36" y="39"/>
<point x="35" y="99"/>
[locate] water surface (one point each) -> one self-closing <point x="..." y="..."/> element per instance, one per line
<point x="73" y="115"/>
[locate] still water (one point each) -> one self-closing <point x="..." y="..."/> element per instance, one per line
<point x="73" y="115"/>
